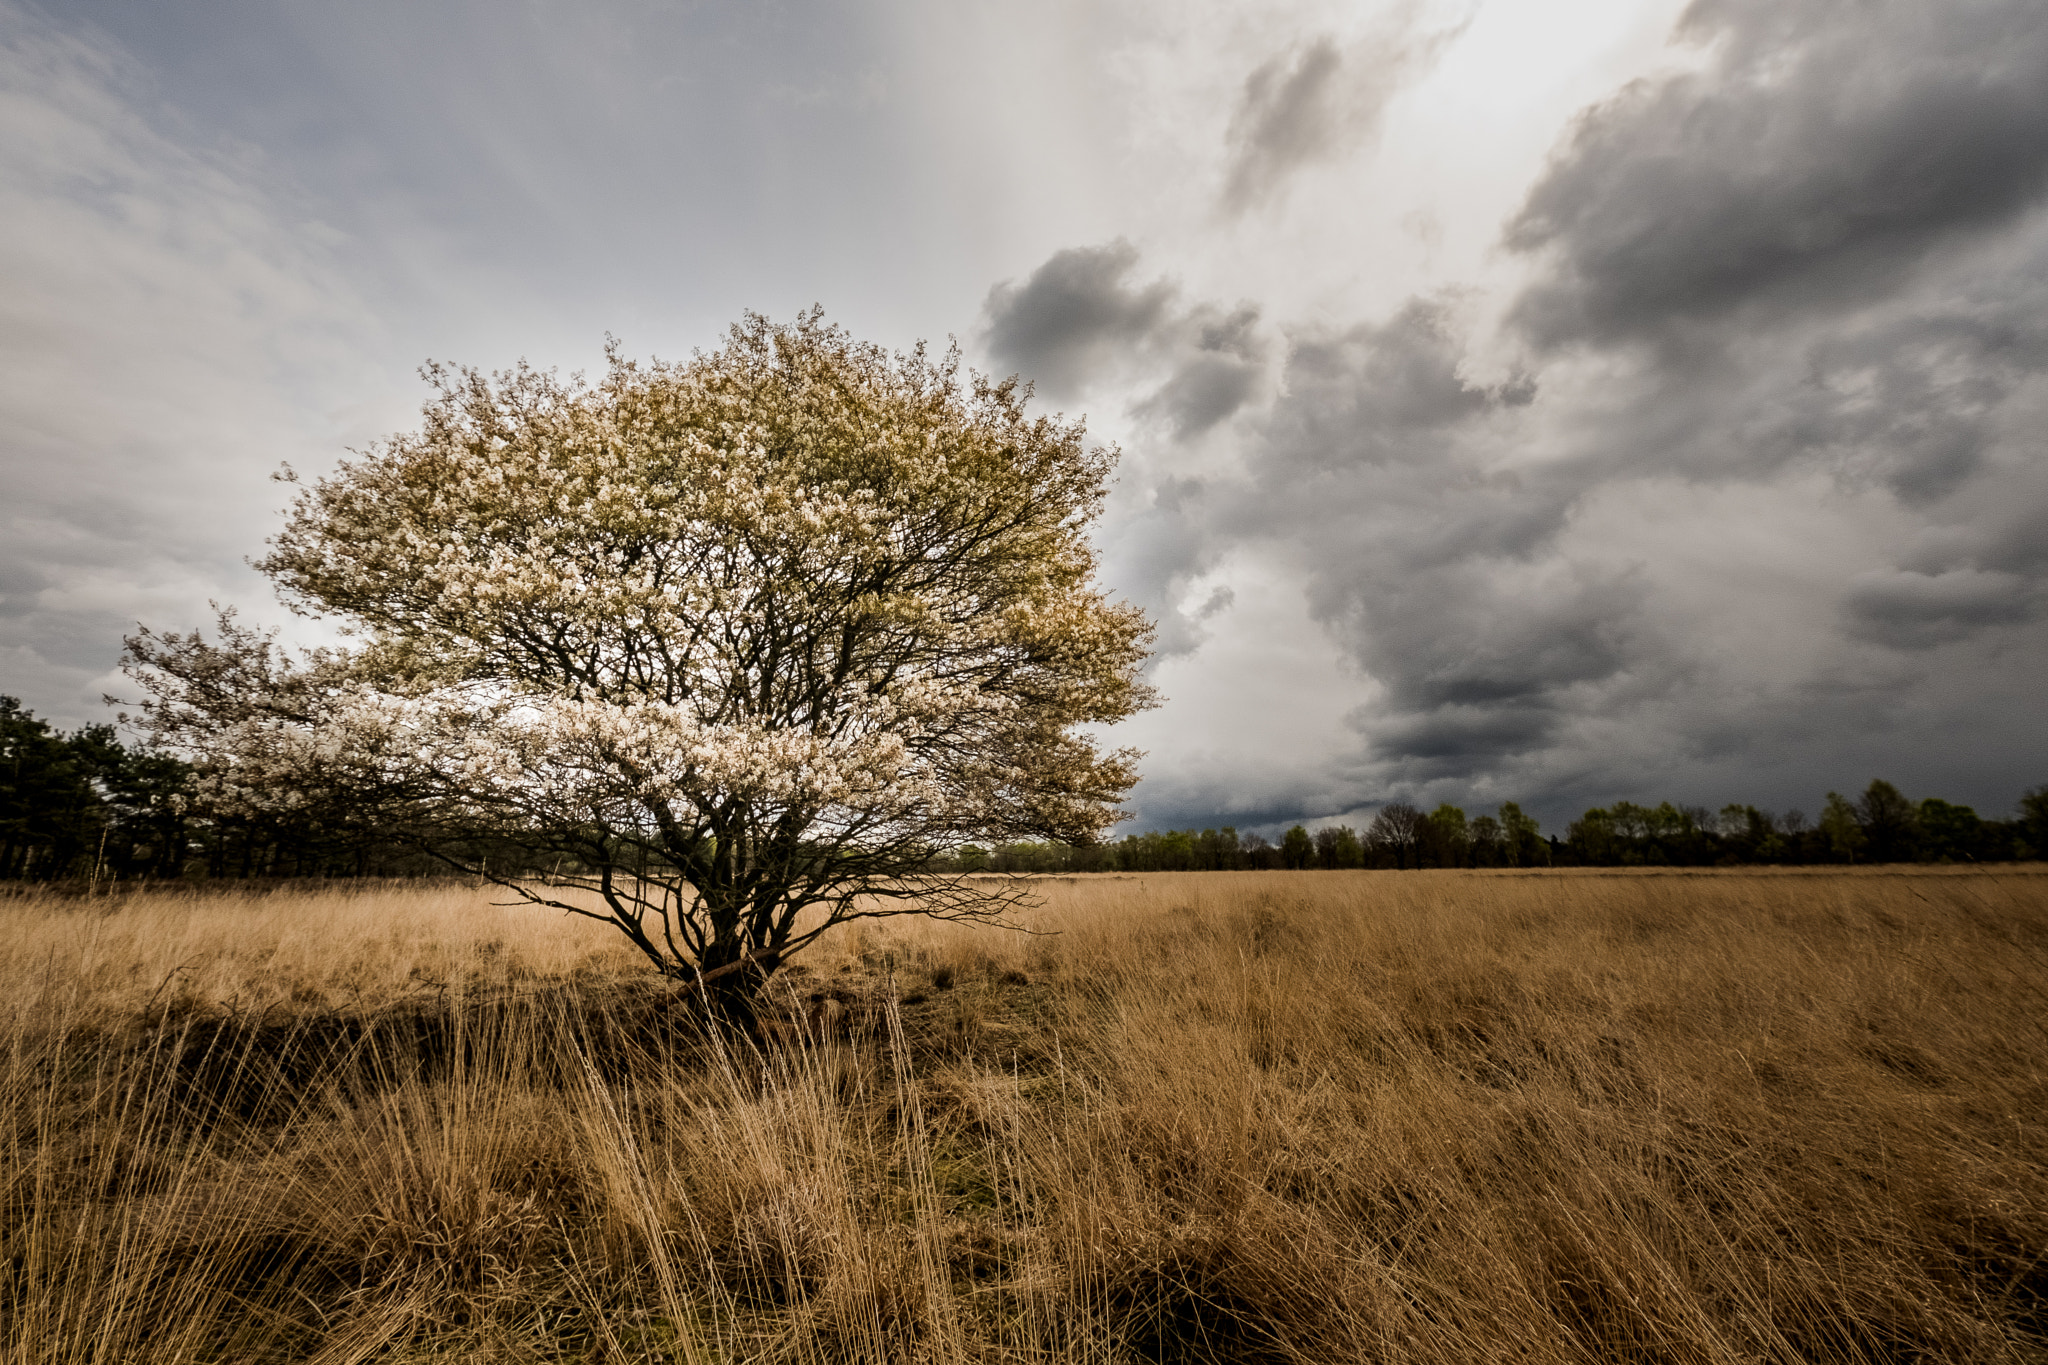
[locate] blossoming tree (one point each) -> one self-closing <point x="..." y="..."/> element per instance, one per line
<point x="729" y="647"/>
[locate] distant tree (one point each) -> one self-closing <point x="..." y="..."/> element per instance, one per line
<point x="1627" y="833"/>
<point x="742" y="642"/>
<point x="1326" y="847"/>
<point x="1487" y="850"/>
<point x="146" y="802"/>
<point x="1840" y="830"/>
<point x="1667" y="831"/>
<point x="1595" y="840"/>
<point x="84" y="804"/>
<point x="1446" y="837"/>
<point x="1632" y="824"/>
<point x="1337" y="846"/>
<point x="2033" y="820"/>
<point x="1397" y="828"/>
<point x="1259" y="853"/>
<point x="1297" y="849"/>
<point x="1217" y="850"/>
<point x="1949" y="833"/>
<point x="49" y="810"/>
<point x="1349" y="848"/>
<point x="1889" y="821"/>
<point x="1749" y="835"/>
<point x="1523" y="838"/>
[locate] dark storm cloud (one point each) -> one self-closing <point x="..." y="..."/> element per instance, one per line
<point x="1803" y="290"/>
<point x="1916" y="401"/>
<point x="1835" y="236"/>
<point x="1910" y="610"/>
<point x="1436" y="572"/>
<point x="1223" y="362"/>
<point x="1087" y="319"/>
<point x="1831" y="237"/>
<point x="1456" y="740"/>
<point x="1374" y="394"/>
<point x="1832" y="144"/>
<point x="1083" y="318"/>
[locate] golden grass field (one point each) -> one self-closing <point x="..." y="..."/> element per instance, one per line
<point x="1789" y="1115"/>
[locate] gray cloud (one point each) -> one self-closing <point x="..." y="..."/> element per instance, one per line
<point x="1911" y="610"/>
<point x="1316" y="101"/>
<point x="1832" y="144"/>
<point x="1085" y="322"/>
<point x="1081" y="320"/>
<point x="1071" y="317"/>
<point x="1222" y="363"/>
<point x="1374" y="394"/>
<point x="1802" y="292"/>
<point x="1438" y="573"/>
<point x="1288" y="115"/>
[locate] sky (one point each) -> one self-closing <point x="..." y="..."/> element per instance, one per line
<point x="1556" y="401"/>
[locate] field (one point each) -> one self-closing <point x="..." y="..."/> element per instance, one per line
<point x="1322" y="1116"/>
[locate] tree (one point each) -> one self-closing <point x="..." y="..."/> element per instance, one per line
<point x="1217" y="850"/>
<point x="50" y="810"/>
<point x="1523" y="837"/>
<point x="1397" y="828"/>
<point x="1949" y="833"/>
<point x="1840" y="829"/>
<point x="1486" y="841"/>
<point x="1297" y="848"/>
<point x="85" y="805"/>
<point x="2033" y="818"/>
<point x="1594" y="839"/>
<point x="1259" y="853"/>
<point x="1337" y="846"/>
<point x="1446" y="836"/>
<point x="1890" y="822"/>
<point x="737" y="645"/>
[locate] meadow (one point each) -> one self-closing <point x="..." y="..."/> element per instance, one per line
<point x="1560" y="1115"/>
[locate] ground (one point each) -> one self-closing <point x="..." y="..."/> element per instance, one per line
<point x="1427" y="1116"/>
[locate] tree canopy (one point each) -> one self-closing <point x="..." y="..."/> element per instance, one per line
<point x="728" y="640"/>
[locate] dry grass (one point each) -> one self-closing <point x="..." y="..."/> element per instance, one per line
<point x="1454" y="1117"/>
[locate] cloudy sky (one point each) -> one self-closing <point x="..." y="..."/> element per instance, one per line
<point x="1546" y="400"/>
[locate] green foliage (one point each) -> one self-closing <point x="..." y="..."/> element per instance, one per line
<point x="1338" y="846"/>
<point x="1522" y="838"/>
<point x="1949" y="833"/>
<point x="1879" y="826"/>
<point x="1839" y="826"/>
<point x="2034" y="821"/>
<point x="1446" y="838"/>
<point x="83" y="805"/>
<point x="1297" y="849"/>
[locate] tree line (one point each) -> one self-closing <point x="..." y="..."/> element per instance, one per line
<point x="1880" y="826"/>
<point x="84" y="806"/>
